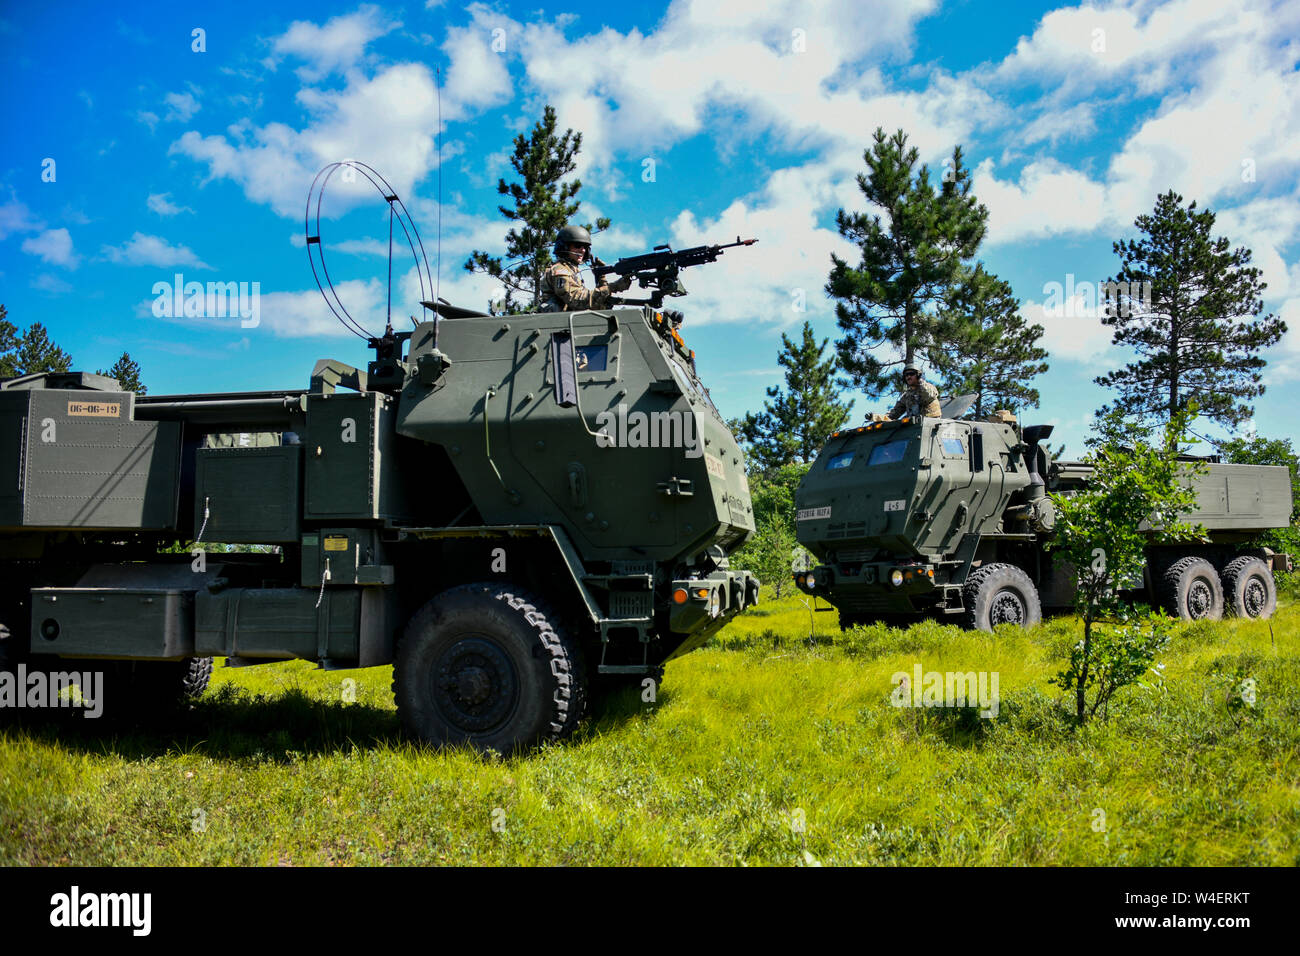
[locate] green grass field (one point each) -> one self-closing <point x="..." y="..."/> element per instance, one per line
<point x="763" y="748"/>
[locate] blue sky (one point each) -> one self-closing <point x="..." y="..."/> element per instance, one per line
<point x="751" y="116"/>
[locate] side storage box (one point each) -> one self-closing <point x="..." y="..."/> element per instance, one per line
<point x="248" y="495"/>
<point x="352" y="469"/>
<point x="278" y="623"/>
<point x="141" y="624"/>
<point x="75" y="459"/>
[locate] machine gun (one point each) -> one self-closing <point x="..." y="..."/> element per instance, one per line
<point x="657" y="270"/>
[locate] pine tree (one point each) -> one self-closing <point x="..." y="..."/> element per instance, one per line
<point x="542" y="204"/>
<point x="30" y="352"/>
<point x="988" y="348"/>
<point x="8" y="343"/>
<point x="127" y="372"/>
<point x="1192" y="333"/>
<point x="909" y="263"/>
<point x="795" y="422"/>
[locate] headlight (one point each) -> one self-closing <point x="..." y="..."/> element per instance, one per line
<point x="896" y="577"/>
<point x="811" y="580"/>
<point x="715" y="604"/>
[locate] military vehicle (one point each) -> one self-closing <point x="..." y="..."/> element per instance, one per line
<point x="517" y="512"/>
<point x="951" y="518"/>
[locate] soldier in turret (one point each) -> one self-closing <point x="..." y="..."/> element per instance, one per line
<point x="919" y="398"/>
<point x="562" y="286"/>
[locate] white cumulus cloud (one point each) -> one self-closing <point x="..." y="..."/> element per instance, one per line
<point x="146" y="250"/>
<point x="335" y="46"/>
<point x="162" y="204"/>
<point x="53" y="246"/>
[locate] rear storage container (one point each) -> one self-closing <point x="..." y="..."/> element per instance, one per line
<point x="75" y="459"/>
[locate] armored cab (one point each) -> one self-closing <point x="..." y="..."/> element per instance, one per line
<point x="518" y="512"/>
<point x="953" y="518"/>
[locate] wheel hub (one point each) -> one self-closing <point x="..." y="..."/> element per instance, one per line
<point x="1199" y="599"/>
<point x="475" y="685"/>
<point x="1254" y="597"/>
<point x="1007" y="608"/>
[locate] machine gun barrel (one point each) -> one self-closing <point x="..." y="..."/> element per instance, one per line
<point x="663" y="261"/>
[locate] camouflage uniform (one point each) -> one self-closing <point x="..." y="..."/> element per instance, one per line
<point x="563" y="291"/>
<point x="921" y="399"/>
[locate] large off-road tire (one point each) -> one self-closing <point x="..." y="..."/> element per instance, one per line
<point x="1248" y="587"/>
<point x="486" y="665"/>
<point x="1000" y="594"/>
<point x="1190" y="590"/>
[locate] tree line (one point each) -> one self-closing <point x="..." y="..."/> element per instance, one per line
<point x="33" y="351"/>
<point x="1187" y="303"/>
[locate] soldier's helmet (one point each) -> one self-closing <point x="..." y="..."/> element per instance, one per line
<point x="912" y="368"/>
<point x="571" y="235"/>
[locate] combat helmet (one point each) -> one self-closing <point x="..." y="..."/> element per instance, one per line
<point x="571" y="235"/>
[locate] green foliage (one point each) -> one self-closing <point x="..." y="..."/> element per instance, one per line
<point x="987" y="347"/>
<point x="30" y="352"/>
<point x="773" y="550"/>
<point x="1240" y="690"/>
<point x="127" y="372"/>
<point x="770" y="553"/>
<point x="542" y="203"/>
<point x="1134" y="481"/>
<point x="796" y="422"/>
<point x="1112" y="656"/>
<point x="1194" y="338"/>
<point x="910" y="261"/>
<point x="773" y="491"/>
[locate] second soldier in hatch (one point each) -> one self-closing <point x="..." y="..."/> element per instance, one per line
<point x="562" y="287"/>
<point x="919" y="397"/>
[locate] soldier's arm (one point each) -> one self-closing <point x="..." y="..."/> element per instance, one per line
<point x="929" y="400"/>
<point x="900" y="407"/>
<point x="570" y="290"/>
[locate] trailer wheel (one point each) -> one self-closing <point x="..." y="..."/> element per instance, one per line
<point x="140" y="690"/>
<point x="166" y="683"/>
<point x="1248" y="588"/>
<point x="1000" y="594"/>
<point x="486" y="665"/>
<point x="1190" y="590"/>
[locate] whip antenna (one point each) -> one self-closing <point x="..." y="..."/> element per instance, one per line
<point x="316" y="248"/>
<point x="437" y="285"/>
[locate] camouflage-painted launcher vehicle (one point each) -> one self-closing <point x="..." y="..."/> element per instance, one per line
<point x="951" y="518"/>
<point x="517" y="512"/>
